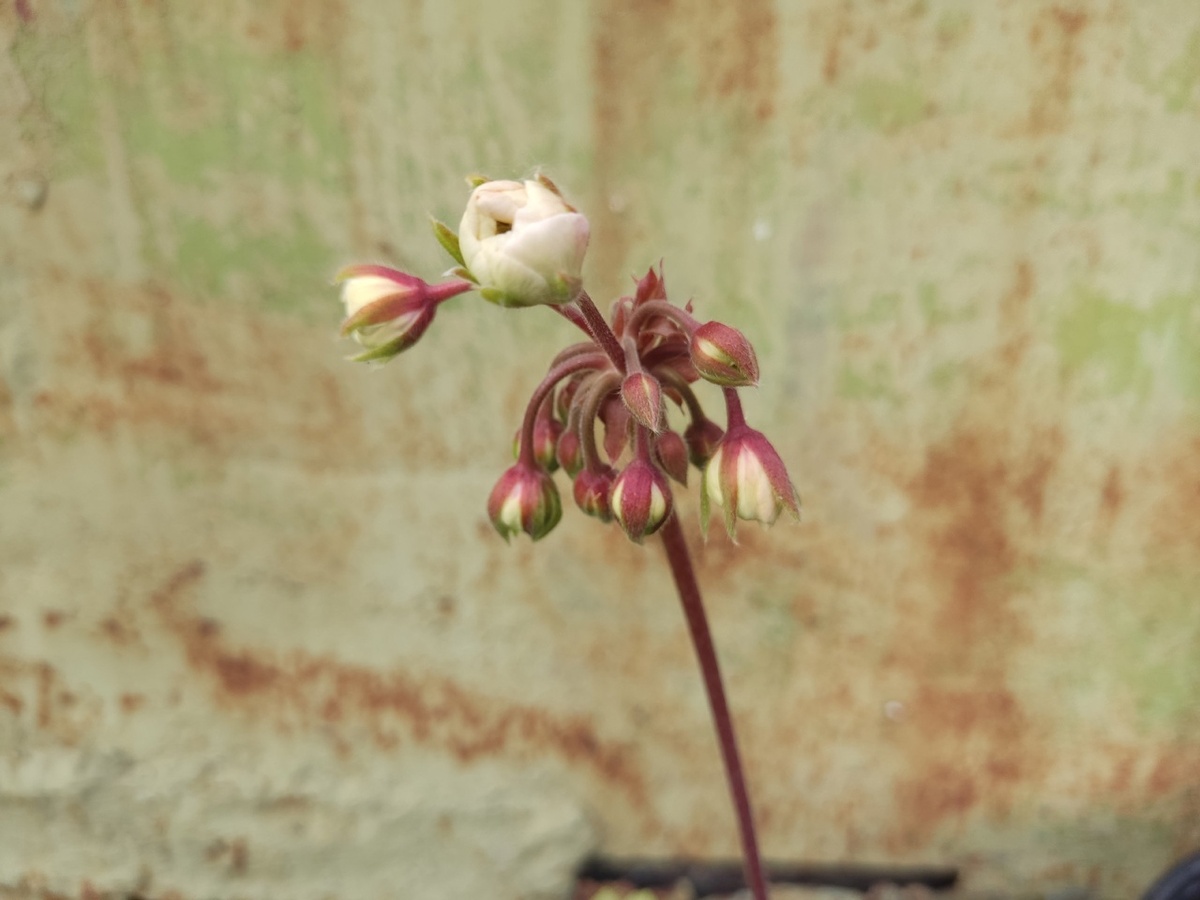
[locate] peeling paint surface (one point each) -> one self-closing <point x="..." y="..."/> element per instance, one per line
<point x="257" y="637"/>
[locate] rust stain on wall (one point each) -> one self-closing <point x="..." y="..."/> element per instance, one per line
<point x="976" y="500"/>
<point x="642" y="53"/>
<point x="384" y="707"/>
<point x="37" y="689"/>
<point x="195" y="381"/>
<point x="1112" y="497"/>
<point x="831" y="60"/>
<point x="1055" y="39"/>
<point x="1175" y="523"/>
<point x="232" y="854"/>
<point x="736" y="49"/>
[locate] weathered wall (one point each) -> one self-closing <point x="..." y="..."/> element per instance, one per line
<point x="257" y="638"/>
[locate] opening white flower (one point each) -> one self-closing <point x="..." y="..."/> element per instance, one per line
<point x="523" y="243"/>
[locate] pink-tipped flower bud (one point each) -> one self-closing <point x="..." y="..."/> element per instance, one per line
<point x="723" y="356"/>
<point x="564" y="398"/>
<point x="642" y="396"/>
<point x="388" y="311"/>
<point x="702" y="438"/>
<point x="672" y="455"/>
<point x="747" y="480"/>
<point x="641" y="499"/>
<point x="570" y="452"/>
<point x="592" y="490"/>
<point x="525" y="499"/>
<point x="617" y="431"/>
<point x="546" y="432"/>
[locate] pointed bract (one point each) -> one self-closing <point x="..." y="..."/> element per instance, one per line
<point x="672" y="455"/>
<point x="650" y="286"/>
<point x="448" y="238"/>
<point x="642" y="395"/>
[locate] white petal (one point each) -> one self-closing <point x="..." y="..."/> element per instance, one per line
<point x="510" y="510"/>
<point x="541" y="203"/>
<point x="361" y="290"/>
<point x="756" y="498"/>
<point x="499" y="201"/>
<point x="510" y="275"/>
<point x="552" y="247"/>
<point x="658" y="504"/>
<point x="385" y="332"/>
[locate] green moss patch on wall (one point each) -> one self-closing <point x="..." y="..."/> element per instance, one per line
<point x="1127" y="348"/>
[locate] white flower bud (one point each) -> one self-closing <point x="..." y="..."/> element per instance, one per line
<point x="523" y="243"/>
<point x="746" y="479"/>
<point x="387" y="311"/>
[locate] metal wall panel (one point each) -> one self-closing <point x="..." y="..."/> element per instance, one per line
<point x="257" y="637"/>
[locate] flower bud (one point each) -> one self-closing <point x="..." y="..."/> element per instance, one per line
<point x="523" y="243"/>
<point x="592" y="490"/>
<point x="387" y="311"/>
<point x="641" y="499"/>
<point x="564" y="398"/>
<point x="702" y="438"/>
<point x="748" y="480"/>
<point x="642" y="396"/>
<point x="617" y="428"/>
<point x="570" y="452"/>
<point x="723" y="356"/>
<point x="525" y="499"/>
<point x="672" y="455"/>
<point x="546" y="432"/>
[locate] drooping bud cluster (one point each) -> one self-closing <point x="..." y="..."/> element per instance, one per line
<point x="626" y="476"/>
<point x="601" y="413"/>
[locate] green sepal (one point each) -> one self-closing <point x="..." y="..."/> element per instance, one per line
<point x="566" y="287"/>
<point x="384" y="352"/>
<point x="500" y="298"/>
<point x="460" y="272"/>
<point x="705" y="510"/>
<point x="476" y="180"/>
<point x="551" y="516"/>
<point x="448" y="239"/>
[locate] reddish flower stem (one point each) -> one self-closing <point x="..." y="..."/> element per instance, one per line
<point x="734" y="417"/>
<point x="541" y="393"/>
<point x="693" y="610"/>
<point x="600" y="331"/>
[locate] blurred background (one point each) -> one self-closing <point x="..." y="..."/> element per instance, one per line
<point x="257" y="636"/>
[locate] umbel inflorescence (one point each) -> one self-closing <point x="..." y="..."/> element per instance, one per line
<point x="601" y="412"/>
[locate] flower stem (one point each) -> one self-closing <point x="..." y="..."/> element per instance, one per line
<point x="600" y="330"/>
<point x="541" y="393"/>
<point x="734" y="417"/>
<point x="693" y="610"/>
